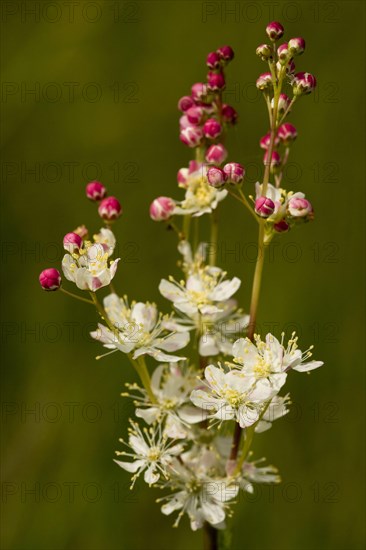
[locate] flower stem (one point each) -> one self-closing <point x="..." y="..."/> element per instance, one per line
<point x="210" y="539"/>
<point x="141" y="369"/>
<point x="76" y="296"/>
<point x="214" y="237"/>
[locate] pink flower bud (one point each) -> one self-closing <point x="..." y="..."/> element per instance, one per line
<point x="212" y="128"/>
<point x="216" y="154"/>
<point x="287" y="133"/>
<point x="296" y="46"/>
<point x="264" y="82"/>
<point x="95" y="191"/>
<point x="283" y="103"/>
<point x="265" y="141"/>
<point x="191" y="136"/>
<point x="185" y="103"/>
<point x="264" y="51"/>
<point x="299" y="207"/>
<point x="216" y="176"/>
<point x="110" y="209"/>
<point x="264" y="207"/>
<point x="303" y="83"/>
<point x="72" y="242"/>
<point x="195" y="115"/>
<point x="213" y="60"/>
<point x="215" y="81"/>
<point x="281" y="226"/>
<point x="226" y="53"/>
<point x="199" y="91"/>
<point x="274" y="30"/>
<point x="50" y="279"/>
<point x="229" y="114"/>
<point x="283" y="53"/>
<point x="275" y="159"/>
<point x="161" y="209"/>
<point x="235" y="172"/>
<point x="184" y="122"/>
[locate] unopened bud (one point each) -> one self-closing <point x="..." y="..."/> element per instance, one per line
<point x="216" y="176"/>
<point x="264" y="51"/>
<point x="185" y="103"/>
<point x="303" y="83"/>
<point x="274" y="30"/>
<point x="235" y="172"/>
<point x="296" y="46"/>
<point x="264" y="82"/>
<point x="161" y="209"/>
<point x="226" y="53"/>
<point x="264" y="207"/>
<point x="95" y="191"/>
<point x="229" y="114"/>
<point x="215" y="81"/>
<point x="72" y="242"/>
<point x="50" y="279"/>
<point x="216" y="154"/>
<point x="212" y="128"/>
<point x="110" y="209"/>
<point x="191" y="136"/>
<point x="287" y="133"/>
<point x="213" y="60"/>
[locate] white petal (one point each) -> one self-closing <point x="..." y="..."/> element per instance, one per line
<point x="215" y="377"/>
<point x="225" y="290"/>
<point x="170" y="291"/>
<point x="174" y="342"/>
<point x="149" y="415"/>
<point x="130" y="466"/>
<point x="150" y="475"/>
<point x="207" y="346"/>
<point x="144" y="315"/>
<point x="309" y="366"/>
<point x="192" y="415"/>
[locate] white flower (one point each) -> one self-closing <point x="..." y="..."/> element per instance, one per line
<point x="217" y="330"/>
<point x="200" y="197"/>
<point x="201" y="293"/>
<point x="276" y="409"/>
<point x="251" y="473"/>
<point x="88" y="268"/>
<point x="270" y="359"/>
<point x="192" y="262"/>
<point x="139" y="328"/>
<point x="151" y="453"/>
<point x="171" y="386"/>
<point x="233" y="396"/>
<point x="202" y="497"/>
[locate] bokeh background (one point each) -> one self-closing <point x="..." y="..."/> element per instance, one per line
<point x="89" y="91"/>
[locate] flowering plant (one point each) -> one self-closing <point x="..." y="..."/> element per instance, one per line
<point x="197" y="414"/>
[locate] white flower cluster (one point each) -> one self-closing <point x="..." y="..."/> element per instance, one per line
<point x="188" y="406"/>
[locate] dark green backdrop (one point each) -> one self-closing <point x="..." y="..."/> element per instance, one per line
<point x="106" y="77"/>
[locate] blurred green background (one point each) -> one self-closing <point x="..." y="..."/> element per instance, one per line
<point x="106" y="77"/>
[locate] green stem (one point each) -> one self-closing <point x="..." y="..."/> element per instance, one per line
<point x="244" y="200"/>
<point x="141" y="369"/>
<point x="257" y="280"/>
<point x="214" y="237"/>
<point x="210" y="537"/>
<point x="76" y="296"/>
<point x="186" y="226"/>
